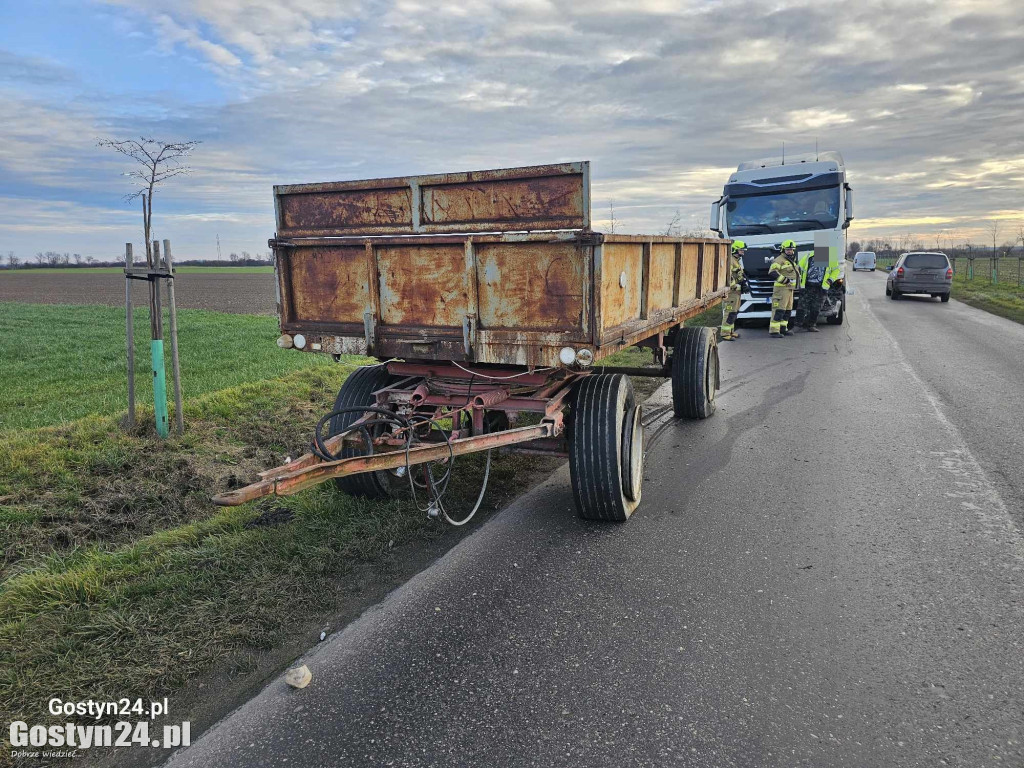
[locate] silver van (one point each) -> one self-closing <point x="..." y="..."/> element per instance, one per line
<point x="864" y="260"/>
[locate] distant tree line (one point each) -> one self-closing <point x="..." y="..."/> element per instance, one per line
<point x="951" y="243"/>
<point x="57" y="260"/>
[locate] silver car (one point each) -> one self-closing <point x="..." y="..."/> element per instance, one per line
<point x="928" y="273"/>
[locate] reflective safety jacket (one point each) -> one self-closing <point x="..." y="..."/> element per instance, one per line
<point x="831" y="274"/>
<point x="785" y="270"/>
<point x="736" y="274"/>
<point x="813" y="272"/>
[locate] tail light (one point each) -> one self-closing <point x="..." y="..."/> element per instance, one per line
<point x="949" y="273"/>
<point x="899" y="272"/>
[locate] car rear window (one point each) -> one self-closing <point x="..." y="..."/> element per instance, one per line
<point x="926" y="261"/>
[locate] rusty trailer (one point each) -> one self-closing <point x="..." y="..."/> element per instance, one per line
<point x="491" y="300"/>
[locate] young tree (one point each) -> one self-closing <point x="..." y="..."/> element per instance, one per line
<point x="612" y="223"/>
<point x="13" y="260"/>
<point x="158" y="161"/>
<point x="992" y="227"/>
<point x="674" y="228"/>
<point x="698" y="228"/>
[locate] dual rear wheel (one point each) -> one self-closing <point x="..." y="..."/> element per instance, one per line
<point x="606" y="450"/>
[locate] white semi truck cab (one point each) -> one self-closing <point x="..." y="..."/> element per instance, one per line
<point x="804" y="198"/>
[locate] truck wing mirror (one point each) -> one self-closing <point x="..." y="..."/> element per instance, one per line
<point x="716" y="216"/>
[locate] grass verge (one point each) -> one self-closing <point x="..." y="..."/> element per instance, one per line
<point x="1003" y="299"/>
<point x="59" y="363"/>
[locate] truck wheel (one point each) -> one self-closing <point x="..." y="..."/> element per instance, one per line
<point x="606" y="448"/>
<point x="694" y="373"/>
<point x="837" y="318"/>
<point x="944" y="297"/>
<point x="358" y="390"/>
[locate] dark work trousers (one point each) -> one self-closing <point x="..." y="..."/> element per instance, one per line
<point x="810" y="305"/>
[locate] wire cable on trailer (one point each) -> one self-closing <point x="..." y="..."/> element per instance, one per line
<point x="437" y="487"/>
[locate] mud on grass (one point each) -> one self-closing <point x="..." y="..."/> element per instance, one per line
<point x="90" y="483"/>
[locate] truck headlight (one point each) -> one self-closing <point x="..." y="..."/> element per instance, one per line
<point x="567" y="355"/>
<point x="299" y="341"/>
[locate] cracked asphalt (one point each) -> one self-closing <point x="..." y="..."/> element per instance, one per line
<point x="828" y="572"/>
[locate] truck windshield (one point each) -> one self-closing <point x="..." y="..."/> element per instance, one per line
<point x="783" y="211"/>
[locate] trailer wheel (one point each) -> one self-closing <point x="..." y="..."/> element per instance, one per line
<point x="358" y="390"/>
<point x="695" y="374"/>
<point x="606" y="448"/>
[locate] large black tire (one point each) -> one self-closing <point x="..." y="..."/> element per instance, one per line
<point x="944" y="297"/>
<point x="606" y="448"/>
<point x="358" y="390"/>
<point x="837" y="319"/>
<point x="695" y="375"/>
<point x="895" y="295"/>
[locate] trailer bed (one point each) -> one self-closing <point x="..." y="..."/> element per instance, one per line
<point x="500" y="297"/>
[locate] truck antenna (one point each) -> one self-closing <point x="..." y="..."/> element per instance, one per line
<point x="783" y="153"/>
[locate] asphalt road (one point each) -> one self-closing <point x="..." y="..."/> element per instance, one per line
<point x="825" y="573"/>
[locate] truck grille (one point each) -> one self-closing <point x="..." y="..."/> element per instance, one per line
<point x="761" y="288"/>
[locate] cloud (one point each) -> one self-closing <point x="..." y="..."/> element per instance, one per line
<point x="665" y="98"/>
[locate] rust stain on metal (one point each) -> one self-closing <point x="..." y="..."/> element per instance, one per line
<point x="708" y="278"/>
<point x="521" y="296"/>
<point x="621" y="282"/>
<point x="506" y="199"/>
<point x="290" y="479"/>
<point x="329" y="283"/>
<point x="324" y="210"/>
<point x="515" y="202"/>
<point x="423" y="285"/>
<point x="541" y="288"/>
<point x="662" y="277"/>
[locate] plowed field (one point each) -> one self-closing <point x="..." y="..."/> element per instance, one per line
<point x="244" y="293"/>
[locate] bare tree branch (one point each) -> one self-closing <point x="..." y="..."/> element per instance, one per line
<point x="674" y="228"/>
<point x="159" y="161"/>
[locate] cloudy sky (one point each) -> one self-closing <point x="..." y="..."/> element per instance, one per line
<point x="924" y="99"/>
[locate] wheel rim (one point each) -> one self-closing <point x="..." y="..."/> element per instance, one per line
<point x="711" y="375"/>
<point x="632" y="453"/>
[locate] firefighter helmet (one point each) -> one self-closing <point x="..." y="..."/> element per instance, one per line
<point x="738" y="245"/>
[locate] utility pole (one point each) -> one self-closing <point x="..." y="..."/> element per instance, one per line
<point x="218" y="247"/>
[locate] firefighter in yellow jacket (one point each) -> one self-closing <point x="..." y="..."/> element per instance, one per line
<point x="737" y="282"/>
<point x="787" y="277"/>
